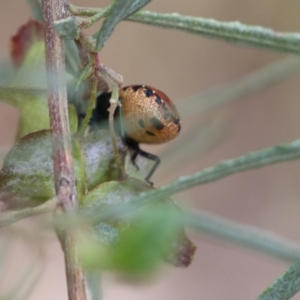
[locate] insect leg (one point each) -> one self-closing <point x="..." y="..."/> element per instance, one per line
<point x="150" y="156"/>
<point x="134" y="146"/>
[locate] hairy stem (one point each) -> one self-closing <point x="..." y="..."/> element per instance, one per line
<point x="64" y="178"/>
<point x="58" y="108"/>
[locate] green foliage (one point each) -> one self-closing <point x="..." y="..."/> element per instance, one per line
<point x="26" y="91"/>
<point x="26" y="178"/>
<point x="28" y="94"/>
<point x="134" y="242"/>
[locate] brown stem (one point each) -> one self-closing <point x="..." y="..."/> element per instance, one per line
<point x="57" y="101"/>
<point x="54" y="10"/>
<point x="74" y="271"/>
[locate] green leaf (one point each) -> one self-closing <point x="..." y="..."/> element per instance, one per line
<point x="26" y="178"/>
<point x="99" y="158"/>
<point x="134" y="243"/>
<point x="73" y="118"/>
<point x="26" y="91"/>
<point x="116" y="14"/>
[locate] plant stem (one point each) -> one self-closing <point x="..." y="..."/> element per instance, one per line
<point x="8" y="218"/>
<point x="86" y="23"/>
<point x="236" y="89"/>
<point x="74" y="270"/>
<point x="116" y="81"/>
<point x="58" y="109"/>
<point x="64" y="178"/>
<point x="253" y="160"/>
<point x="242" y="234"/>
<point x="95" y="79"/>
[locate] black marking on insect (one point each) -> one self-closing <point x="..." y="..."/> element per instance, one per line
<point x="150" y="133"/>
<point x="136" y="87"/>
<point x="158" y="100"/>
<point x="148" y="92"/>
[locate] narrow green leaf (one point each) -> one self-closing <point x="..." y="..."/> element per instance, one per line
<point x="116" y="14"/>
<point x="233" y="32"/>
<point x="285" y="287"/>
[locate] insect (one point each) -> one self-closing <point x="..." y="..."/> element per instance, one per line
<point x="146" y="116"/>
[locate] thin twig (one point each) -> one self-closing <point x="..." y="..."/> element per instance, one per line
<point x="86" y="23"/>
<point x="212" y="132"/>
<point x="8" y="218"/>
<point x="95" y="80"/>
<point x="251" y="83"/>
<point x="258" y="159"/>
<point x="86" y="11"/>
<point x="116" y="81"/>
<point x="242" y="234"/>
<point x="254" y="160"/>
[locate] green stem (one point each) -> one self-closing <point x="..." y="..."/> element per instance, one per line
<point x="8" y="218"/>
<point x="86" y="23"/>
<point x="262" y="158"/>
<point x="236" y="89"/>
<point x="241" y="234"/>
<point x="254" y="160"/>
<point x="95" y="80"/>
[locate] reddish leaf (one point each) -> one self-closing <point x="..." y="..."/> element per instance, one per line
<point x="21" y="42"/>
